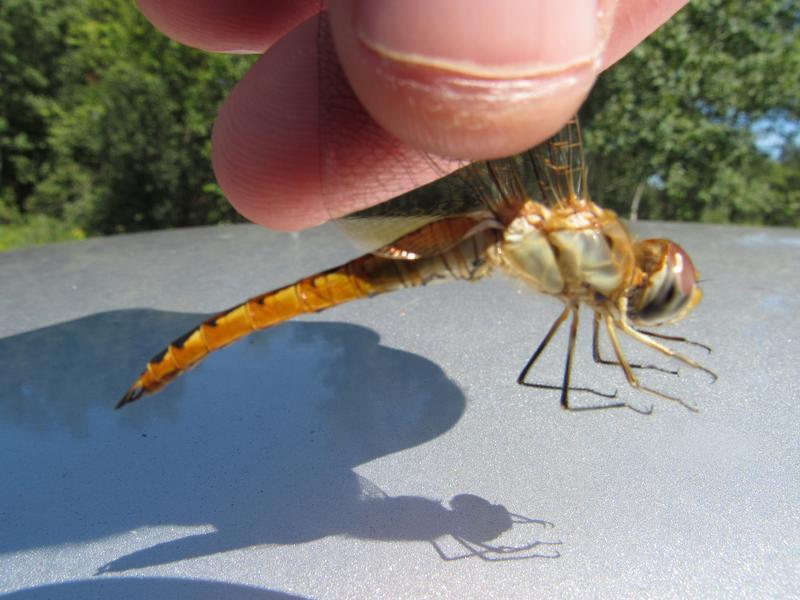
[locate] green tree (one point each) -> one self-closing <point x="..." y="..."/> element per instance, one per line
<point x="670" y="128"/>
<point x="105" y="123"/>
<point x="32" y="41"/>
<point x="785" y="179"/>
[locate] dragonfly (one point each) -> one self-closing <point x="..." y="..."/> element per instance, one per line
<point x="529" y="216"/>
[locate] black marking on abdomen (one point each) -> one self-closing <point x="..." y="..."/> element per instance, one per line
<point x="160" y="356"/>
<point x="214" y="321"/>
<point x="178" y="343"/>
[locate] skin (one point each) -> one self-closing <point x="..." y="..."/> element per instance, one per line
<point x="430" y="75"/>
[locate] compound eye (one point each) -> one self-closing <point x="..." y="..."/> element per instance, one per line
<point x="682" y="268"/>
<point x="672" y="289"/>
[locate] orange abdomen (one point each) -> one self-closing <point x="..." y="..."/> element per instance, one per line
<point x="365" y="276"/>
<point x="311" y="294"/>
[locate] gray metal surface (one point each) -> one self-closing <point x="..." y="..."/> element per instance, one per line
<point x="368" y="450"/>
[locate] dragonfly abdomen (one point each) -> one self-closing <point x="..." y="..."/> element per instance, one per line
<point x="311" y="294"/>
<point x="365" y="276"/>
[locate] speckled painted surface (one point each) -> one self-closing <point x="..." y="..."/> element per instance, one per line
<point x="344" y="455"/>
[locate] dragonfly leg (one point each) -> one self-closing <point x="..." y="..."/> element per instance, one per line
<point x="542" y="345"/>
<point x="598" y="358"/>
<point x="632" y="379"/>
<point x="573" y="334"/>
<point x="674" y="338"/>
<point x="648" y="341"/>
<point x="565" y="388"/>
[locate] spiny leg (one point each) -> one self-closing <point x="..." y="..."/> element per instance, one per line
<point x="542" y="345"/>
<point x="598" y="358"/>
<point x="647" y="341"/>
<point x="568" y="368"/>
<point x="674" y="338"/>
<point x="549" y="336"/>
<point x="632" y="380"/>
<point x="573" y="334"/>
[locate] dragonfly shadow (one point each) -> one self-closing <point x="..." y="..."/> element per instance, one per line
<point x="256" y="446"/>
<point x="470" y="527"/>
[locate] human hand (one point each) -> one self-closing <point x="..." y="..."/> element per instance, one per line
<point x="468" y="79"/>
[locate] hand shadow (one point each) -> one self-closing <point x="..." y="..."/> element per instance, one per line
<point x="258" y="443"/>
<point x="152" y="588"/>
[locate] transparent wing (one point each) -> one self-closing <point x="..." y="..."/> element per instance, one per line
<point x="559" y="166"/>
<point x="402" y="227"/>
<point x="491" y="191"/>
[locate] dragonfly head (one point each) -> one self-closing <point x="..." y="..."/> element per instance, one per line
<point x="668" y="290"/>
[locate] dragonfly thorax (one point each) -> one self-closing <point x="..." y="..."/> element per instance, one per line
<point x="578" y="251"/>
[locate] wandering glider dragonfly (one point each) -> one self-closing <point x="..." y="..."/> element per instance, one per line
<point x="529" y="216"/>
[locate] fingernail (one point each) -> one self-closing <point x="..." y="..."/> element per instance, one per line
<point x="498" y="39"/>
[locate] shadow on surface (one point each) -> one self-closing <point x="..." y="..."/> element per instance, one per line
<point x="53" y="377"/>
<point x="258" y="444"/>
<point x="148" y="587"/>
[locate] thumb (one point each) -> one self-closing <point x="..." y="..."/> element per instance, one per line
<point x="471" y="79"/>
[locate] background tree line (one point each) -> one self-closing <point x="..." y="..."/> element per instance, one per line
<point x="105" y="123"/>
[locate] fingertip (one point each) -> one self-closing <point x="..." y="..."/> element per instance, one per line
<point x="634" y="20"/>
<point x="234" y="26"/>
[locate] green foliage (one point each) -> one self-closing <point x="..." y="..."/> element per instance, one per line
<point x="105" y="123"/>
<point x="36" y="229"/>
<point x="20" y="231"/>
<point x="32" y="42"/>
<point x="674" y="119"/>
